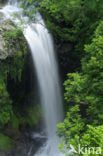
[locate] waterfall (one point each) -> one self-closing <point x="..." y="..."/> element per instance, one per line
<point x="41" y="45"/>
<point x="42" y="50"/>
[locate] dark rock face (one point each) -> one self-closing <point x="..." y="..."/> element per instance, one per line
<point x="2" y="2"/>
<point x="67" y="58"/>
<point x="65" y="52"/>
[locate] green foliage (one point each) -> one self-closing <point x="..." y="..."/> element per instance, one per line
<point x="29" y="9"/>
<point x="70" y="21"/>
<point x="73" y="123"/>
<point x="6" y="143"/>
<point x="15" y="34"/>
<point x="33" y="115"/>
<point x="11" y="67"/>
<point x="5" y="102"/>
<point x="73" y="20"/>
<point x="15" y="121"/>
<point x="85" y="88"/>
<point x="92" y="137"/>
<point x="83" y="92"/>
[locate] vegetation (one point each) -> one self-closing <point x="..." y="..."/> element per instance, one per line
<point x="13" y="110"/>
<point x="6" y="142"/>
<point x="8" y="68"/>
<point x="15" y="34"/>
<point x="72" y="21"/>
<point x="78" y="23"/>
<point x="83" y="92"/>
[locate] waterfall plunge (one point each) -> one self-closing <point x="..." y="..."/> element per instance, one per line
<point x="41" y="45"/>
<point x="42" y="50"/>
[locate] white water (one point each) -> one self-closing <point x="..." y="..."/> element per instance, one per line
<point x="42" y="50"/>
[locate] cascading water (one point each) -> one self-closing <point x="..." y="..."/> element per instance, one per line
<point x="42" y="50"/>
<point x="41" y="45"/>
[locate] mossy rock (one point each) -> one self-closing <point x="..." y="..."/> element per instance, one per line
<point x="13" y="50"/>
<point x="11" y="39"/>
<point x="6" y="143"/>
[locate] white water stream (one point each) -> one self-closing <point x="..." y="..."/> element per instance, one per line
<point x="42" y="50"/>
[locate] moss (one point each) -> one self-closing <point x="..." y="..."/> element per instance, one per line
<point x="33" y="115"/>
<point x="6" y="143"/>
<point x="17" y="33"/>
<point x="12" y="66"/>
<point x="15" y="121"/>
<point x="5" y="103"/>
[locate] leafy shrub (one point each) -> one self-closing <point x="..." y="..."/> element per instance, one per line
<point x="83" y="93"/>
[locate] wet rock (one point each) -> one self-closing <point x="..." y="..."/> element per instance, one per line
<point x="65" y="53"/>
<point x="1" y="16"/>
<point x="1" y="5"/>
